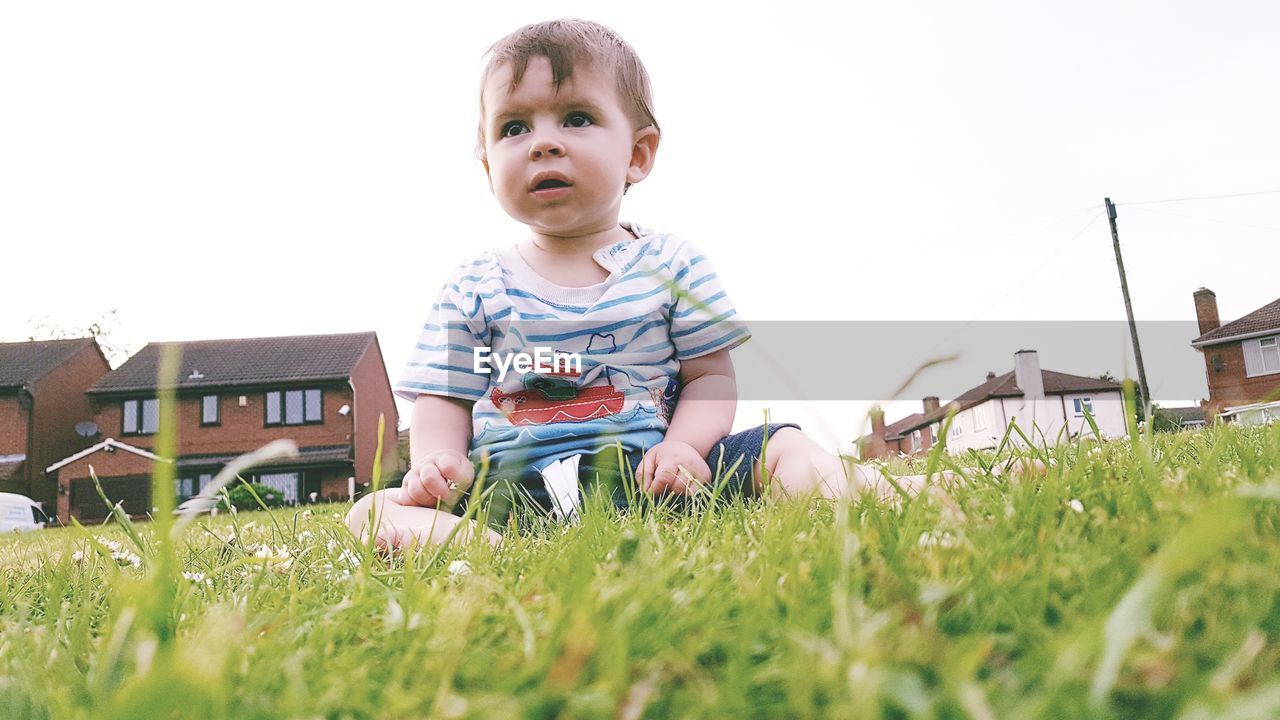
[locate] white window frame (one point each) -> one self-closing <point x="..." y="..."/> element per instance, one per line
<point x="1081" y="404"/>
<point x="980" y="417"/>
<point x="289" y="484"/>
<point x="1261" y="356"/>
<point x="310" y="407"/>
<point x="205" y="408"/>
<point x="917" y="441"/>
<point x="140" y="424"/>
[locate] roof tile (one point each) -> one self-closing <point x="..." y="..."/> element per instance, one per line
<point x="22" y="363"/>
<point x="1261" y="320"/>
<point x="242" y="362"/>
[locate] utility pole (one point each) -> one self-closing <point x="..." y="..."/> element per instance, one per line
<point x="1128" y="306"/>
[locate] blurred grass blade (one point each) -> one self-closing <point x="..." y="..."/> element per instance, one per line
<point x="1208" y="535"/>
<point x="208" y="497"/>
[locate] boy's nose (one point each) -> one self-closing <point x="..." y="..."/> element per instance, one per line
<point x="545" y="145"/>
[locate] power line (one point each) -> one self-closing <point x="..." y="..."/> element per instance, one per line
<point x="1209" y="219"/>
<point x="941" y="342"/>
<point x="1038" y="268"/>
<point x="1201" y="197"/>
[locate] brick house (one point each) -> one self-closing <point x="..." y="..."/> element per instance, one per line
<point x="42" y="398"/>
<point x="901" y="437"/>
<point x="1045" y="405"/>
<point x="1241" y="358"/>
<point x="123" y="470"/>
<point x="325" y="392"/>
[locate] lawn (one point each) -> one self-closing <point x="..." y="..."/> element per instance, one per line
<point x="1139" y="578"/>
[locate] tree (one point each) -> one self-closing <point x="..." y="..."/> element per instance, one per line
<point x="106" y="330"/>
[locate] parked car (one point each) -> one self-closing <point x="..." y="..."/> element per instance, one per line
<point x="19" y="512"/>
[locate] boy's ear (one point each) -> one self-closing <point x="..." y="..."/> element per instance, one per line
<point x="644" y="149"/>
<point x="484" y="160"/>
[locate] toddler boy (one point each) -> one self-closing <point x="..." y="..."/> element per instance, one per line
<point x="595" y="334"/>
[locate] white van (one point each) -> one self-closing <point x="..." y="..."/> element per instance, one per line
<point x="19" y="512"/>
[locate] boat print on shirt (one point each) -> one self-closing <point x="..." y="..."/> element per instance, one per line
<point x="554" y="397"/>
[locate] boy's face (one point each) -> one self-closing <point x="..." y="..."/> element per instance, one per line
<point x="558" y="161"/>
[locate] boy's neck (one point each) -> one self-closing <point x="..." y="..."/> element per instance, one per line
<point x="579" y="245"/>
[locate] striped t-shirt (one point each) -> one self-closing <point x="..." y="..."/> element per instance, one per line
<point x="662" y="303"/>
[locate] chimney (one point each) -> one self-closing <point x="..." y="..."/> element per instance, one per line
<point x="876" y="447"/>
<point x="1026" y="371"/>
<point x="1206" y="310"/>
<point x="931" y="404"/>
<point x="990" y="376"/>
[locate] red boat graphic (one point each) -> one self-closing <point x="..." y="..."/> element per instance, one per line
<point x="533" y="407"/>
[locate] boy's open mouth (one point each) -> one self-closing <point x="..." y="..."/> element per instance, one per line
<point x="549" y="181"/>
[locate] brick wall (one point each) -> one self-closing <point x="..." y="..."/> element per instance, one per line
<point x="373" y="397"/>
<point x="59" y="404"/>
<point x="13" y="426"/>
<point x="125" y="475"/>
<point x="241" y="428"/>
<point x="1230" y="386"/>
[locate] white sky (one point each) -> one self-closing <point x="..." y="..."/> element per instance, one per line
<point x="244" y="169"/>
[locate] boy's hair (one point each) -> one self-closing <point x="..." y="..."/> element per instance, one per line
<point x="567" y="42"/>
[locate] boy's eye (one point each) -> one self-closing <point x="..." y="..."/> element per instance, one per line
<point x="513" y="129"/>
<point x="578" y="119"/>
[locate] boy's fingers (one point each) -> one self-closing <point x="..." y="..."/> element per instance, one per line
<point x="453" y="467"/>
<point x="663" y="479"/>
<point x="686" y="482"/>
<point x="412" y="493"/>
<point x="415" y="488"/>
<point x="434" y="482"/>
<point x="646" y="471"/>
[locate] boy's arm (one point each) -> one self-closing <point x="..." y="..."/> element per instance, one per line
<point x="708" y="401"/>
<point x="439" y="437"/>
<point x="703" y="416"/>
<point x="439" y="423"/>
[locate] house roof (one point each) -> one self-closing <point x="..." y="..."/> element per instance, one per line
<point x="1259" y="322"/>
<point x="22" y="363"/>
<point x="110" y="444"/>
<point x="242" y="362"/>
<point x="320" y="455"/>
<point x="897" y="430"/>
<point x="1006" y="385"/>
<point x="9" y="464"/>
<point x="1186" y="414"/>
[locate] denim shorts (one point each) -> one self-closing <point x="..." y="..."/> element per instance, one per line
<point x="731" y="461"/>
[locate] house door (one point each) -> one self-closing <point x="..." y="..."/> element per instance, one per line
<point x="285" y="483"/>
<point x="133" y="492"/>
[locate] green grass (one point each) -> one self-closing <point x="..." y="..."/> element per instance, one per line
<point x="1134" y="580"/>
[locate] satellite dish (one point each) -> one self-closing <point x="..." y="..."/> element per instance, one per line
<point x="86" y="429"/>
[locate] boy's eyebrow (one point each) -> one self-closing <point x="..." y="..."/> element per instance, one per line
<point x="520" y="110"/>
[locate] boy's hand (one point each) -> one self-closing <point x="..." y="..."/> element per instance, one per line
<point x="673" y="466"/>
<point x="440" y="477"/>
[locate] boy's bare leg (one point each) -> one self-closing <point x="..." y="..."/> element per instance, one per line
<point x="799" y="466"/>
<point x="403" y="525"/>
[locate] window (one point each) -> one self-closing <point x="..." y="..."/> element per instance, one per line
<point x="294" y="407"/>
<point x="1081" y="405"/>
<point x="916" y="443"/>
<point x="285" y="483"/>
<point x="209" y="410"/>
<point x="187" y="487"/>
<point x="980" y="417"/>
<point x="141" y="417"/>
<point x="955" y="426"/>
<point x="933" y="434"/>
<point x="1261" y="356"/>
